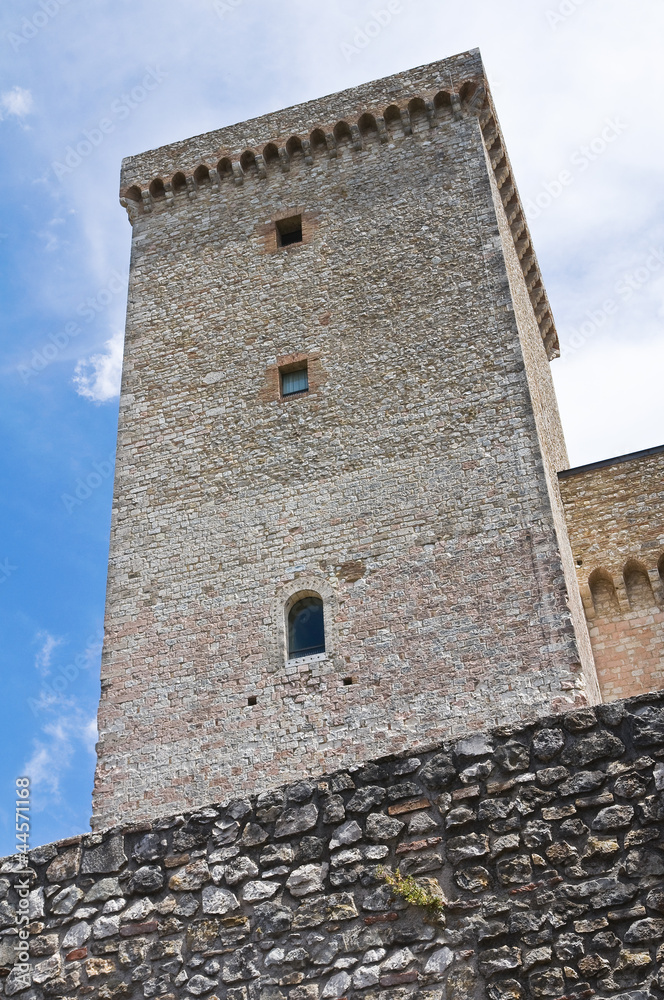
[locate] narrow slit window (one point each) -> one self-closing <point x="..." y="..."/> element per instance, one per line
<point x="306" y="631"/>
<point x="289" y="231"/>
<point x="296" y="381"/>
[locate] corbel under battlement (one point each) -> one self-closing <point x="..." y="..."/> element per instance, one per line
<point x="382" y="112"/>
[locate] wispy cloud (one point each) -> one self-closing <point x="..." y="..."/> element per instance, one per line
<point x="16" y="102"/>
<point x="45" y="652"/>
<point x="98" y="378"/>
<point x="55" y="748"/>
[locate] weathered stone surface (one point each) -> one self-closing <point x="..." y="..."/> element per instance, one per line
<point x="66" y="900"/>
<point x="349" y="833"/>
<point x="272" y="918"/>
<point x="382" y="827"/>
<point x="337" y="986"/>
<point x="334" y="810"/>
<point x="568" y="947"/>
<point x="109" y="856"/>
<point x="146" y="880"/>
<point x="649" y="727"/>
<point x="199" y="985"/>
<point x="65" y="866"/>
<point x="613" y="818"/>
<point x="655" y="900"/>
<point x="512" y="757"/>
<point x="599" y="746"/>
<point x="582" y="781"/>
<point x="296" y="820"/>
<point x="547" y="984"/>
<point x="473" y="879"/>
<point x="514" y="870"/>
<point x="104" y="927"/>
<point x="239" y="869"/>
<point x="305" y="880"/>
<point x="151" y="847"/>
<point x="473" y="845"/>
<point x="253" y="834"/>
<point x="191" y="877"/>
<point x="365" y="799"/>
<point x="438" y="772"/>
<point x="257" y="891"/>
<point x="499" y="959"/>
<point x="505" y="989"/>
<point x="650" y="929"/>
<point x="548" y="743"/>
<point x="77" y="935"/>
<point x="438" y="961"/>
<point x="217" y="900"/>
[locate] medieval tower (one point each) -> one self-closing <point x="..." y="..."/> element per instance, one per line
<point x="352" y="741"/>
<point x="337" y="530"/>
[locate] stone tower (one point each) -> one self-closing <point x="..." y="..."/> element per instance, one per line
<point x="337" y="405"/>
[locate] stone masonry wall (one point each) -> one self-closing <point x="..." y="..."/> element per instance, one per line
<point x="544" y="842"/>
<point x="407" y="487"/>
<point x="614" y="515"/>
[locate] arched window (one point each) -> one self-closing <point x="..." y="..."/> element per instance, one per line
<point x="306" y="632"/>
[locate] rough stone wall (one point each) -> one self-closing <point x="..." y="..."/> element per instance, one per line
<point x="407" y="487"/>
<point x="544" y="841"/>
<point x="614" y="514"/>
<point x="549" y="430"/>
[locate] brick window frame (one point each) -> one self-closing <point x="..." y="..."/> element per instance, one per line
<point x="271" y="392"/>
<point x="270" y="238"/>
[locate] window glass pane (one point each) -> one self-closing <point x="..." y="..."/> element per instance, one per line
<point x="306" y="634"/>
<point x="294" y="381"/>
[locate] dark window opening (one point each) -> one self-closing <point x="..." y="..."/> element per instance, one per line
<point x="252" y="699"/>
<point x="306" y="632"/>
<point x="295" y="381"/>
<point x="289" y="231"/>
<point x="349" y="680"/>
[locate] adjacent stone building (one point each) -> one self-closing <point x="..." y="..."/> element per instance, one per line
<point x="615" y="516"/>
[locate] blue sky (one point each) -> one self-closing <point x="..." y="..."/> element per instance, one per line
<point x="578" y="87"/>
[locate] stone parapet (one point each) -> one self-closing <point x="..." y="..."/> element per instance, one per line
<point x="536" y="851"/>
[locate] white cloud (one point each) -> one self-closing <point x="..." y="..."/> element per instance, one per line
<point x="54" y="751"/>
<point x="610" y="398"/>
<point x="17" y="102"/>
<point x="45" y="652"/>
<point x="98" y="378"/>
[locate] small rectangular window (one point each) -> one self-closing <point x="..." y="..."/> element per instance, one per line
<point x="294" y="381"/>
<point x="289" y="231"/>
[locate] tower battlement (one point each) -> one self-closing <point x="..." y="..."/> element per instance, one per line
<point x="352" y="121"/>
